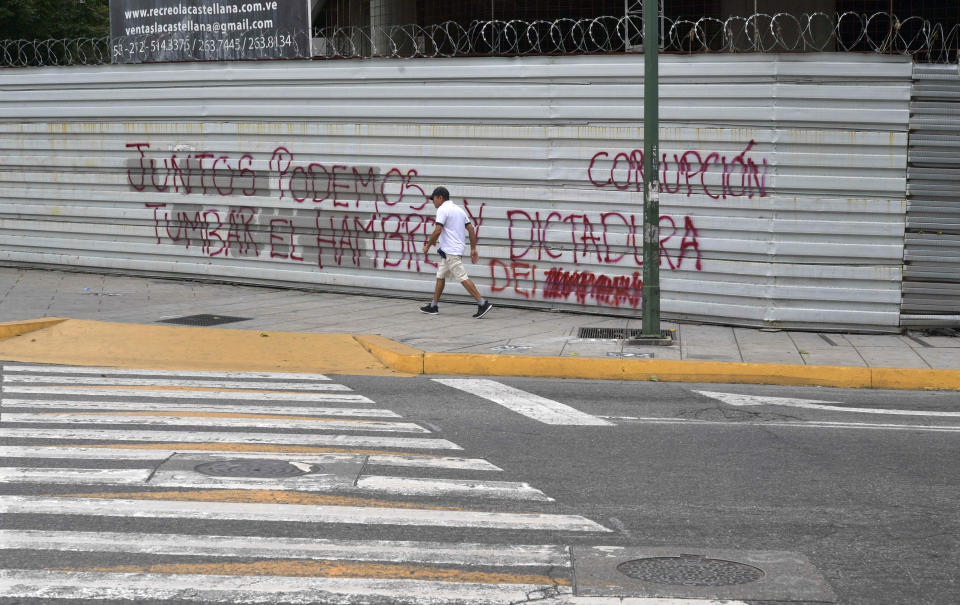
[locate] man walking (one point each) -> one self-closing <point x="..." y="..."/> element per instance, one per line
<point x="453" y="225"/>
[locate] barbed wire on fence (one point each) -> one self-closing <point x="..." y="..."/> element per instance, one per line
<point x="923" y="39"/>
<point x="168" y="47"/>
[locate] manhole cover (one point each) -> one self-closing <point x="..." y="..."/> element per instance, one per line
<point x="203" y="320"/>
<point x="690" y="570"/>
<point x="256" y="468"/>
<point x="608" y="333"/>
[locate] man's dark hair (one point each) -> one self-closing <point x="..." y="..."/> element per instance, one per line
<point x="442" y="192"/>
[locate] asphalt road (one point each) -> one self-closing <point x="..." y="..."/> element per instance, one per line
<point x="860" y="485"/>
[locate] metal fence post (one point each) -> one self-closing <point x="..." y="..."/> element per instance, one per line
<point x="651" y="183"/>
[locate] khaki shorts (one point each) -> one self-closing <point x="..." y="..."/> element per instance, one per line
<point x="452" y="266"/>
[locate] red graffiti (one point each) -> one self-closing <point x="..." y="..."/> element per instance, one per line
<point x="605" y="242"/>
<point x="282" y="240"/>
<point x="201" y="173"/>
<point x="342" y="185"/>
<point x="513" y="275"/>
<point x="607" y="290"/>
<point x="337" y="230"/>
<point x="689" y="172"/>
<point x="207" y="228"/>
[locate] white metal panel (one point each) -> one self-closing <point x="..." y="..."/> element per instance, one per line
<point x="783" y="200"/>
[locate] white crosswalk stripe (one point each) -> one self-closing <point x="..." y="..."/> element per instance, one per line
<point x="45" y="369"/>
<point x="532" y="406"/>
<point x="355" y="515"/>
<point x="147" y="406"/>
<point x="125" y="435"/>
<point x="85" y="423"/>
<point x="212" y="420"/>
<point x="335" y="397"/>
<point x="276" y="547"/>
<point x="399" y="486"/>
<point x="81" y="453"/>
<point x="273" y="589"/>
<point x="249" y="589"/>
<point x="207" y="384"/>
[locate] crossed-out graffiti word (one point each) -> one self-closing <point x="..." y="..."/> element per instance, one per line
<point x="740" y="176"/>
<point x="555" y="283"/>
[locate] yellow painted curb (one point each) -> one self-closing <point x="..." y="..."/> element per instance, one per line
<point x="407" y="360"/>
<point x="517" y="365"/>
<point x="913" y="379"/>
<point x="392" y="354"/>
<point x="746" y="373"/>
<point x="9" y="329"/>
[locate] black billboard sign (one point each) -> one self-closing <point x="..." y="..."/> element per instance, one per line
<point x="208" y="30"/>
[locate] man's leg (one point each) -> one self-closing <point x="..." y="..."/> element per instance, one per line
<point x="431" y="307"/>
<point x="482" y="305"/>
<point x="472" y="289"/>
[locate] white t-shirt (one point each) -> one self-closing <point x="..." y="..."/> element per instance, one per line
<point x="453" y="238"/>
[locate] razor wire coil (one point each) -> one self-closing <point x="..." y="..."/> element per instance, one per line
<point x="925" y="40"/>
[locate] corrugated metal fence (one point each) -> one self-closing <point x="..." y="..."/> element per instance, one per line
<point x="784" y="177"/>
<point x="931" y="271"/>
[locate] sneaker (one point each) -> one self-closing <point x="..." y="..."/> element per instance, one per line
<point x="482" y="310"/>
<point x="430" y="309"/>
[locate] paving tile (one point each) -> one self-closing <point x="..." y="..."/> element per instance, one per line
<point x="767" y="347"/>
<point x="708" y="336"/>
<point x="892" y="357"/>
<point x="702" y="355"/>
<point x="837" y="356"/>
<point x="933" y="342"/>
<point x="671" y="352"/>
<point x="814" y="341"/>
<point x="877" y="340"/>
<point x="549" y="348"/>
<point x="940" y="359"/>
<point x="582" y="348"/>
<point x="708" y="343"/>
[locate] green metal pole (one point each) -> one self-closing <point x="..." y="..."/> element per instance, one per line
<point x="651" y="168"/>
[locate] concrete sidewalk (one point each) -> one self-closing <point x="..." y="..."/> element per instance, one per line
<point x="30" y="294"/>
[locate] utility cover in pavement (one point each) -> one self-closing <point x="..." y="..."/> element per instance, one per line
<point x="203" y="320"/>
<point x="284" y="471"/>
<point x="690" y="570"/>
<point x="248" y="467"/>
<point x="697" y="573"/>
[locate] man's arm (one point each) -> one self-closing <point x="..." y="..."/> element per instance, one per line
<point x="474" y="255"/>
<point x="433" y="238"/>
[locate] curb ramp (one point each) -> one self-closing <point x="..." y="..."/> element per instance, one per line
<point x="105" y="344"/>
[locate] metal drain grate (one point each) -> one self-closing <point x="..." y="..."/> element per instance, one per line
<point x="684" y="572"/>
<point x="690" y="570"/>
<point x="203" y="320"/>
<point x="608" y="333"/>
